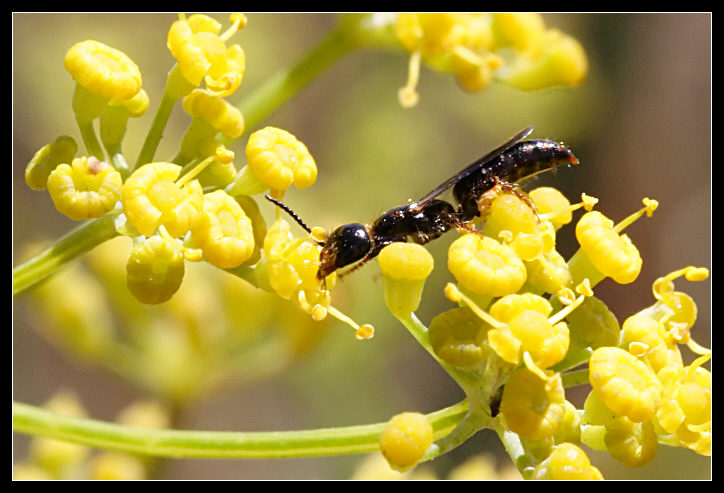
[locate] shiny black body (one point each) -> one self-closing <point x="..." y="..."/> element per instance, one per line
<point x="520" y="161"/>
<point x="428" y="218"/>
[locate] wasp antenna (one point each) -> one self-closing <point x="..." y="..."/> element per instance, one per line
<point x="286" y="209"/>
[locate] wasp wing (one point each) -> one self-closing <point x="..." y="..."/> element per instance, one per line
<point x="475" y="166"/>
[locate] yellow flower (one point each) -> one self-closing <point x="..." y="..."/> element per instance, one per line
<point x="510" y="216"/>
<point x="155" y="269"/>
<point x="567" y="461"/>
<point x="223" y="231"/>
<point x="515" y="48"/>
<point x="552" y="205"/>
<point x="485" y="266"/>
<point x="405" y="440"/>
<point x="558" y="60"/>
<point x="84" y="189"/>
<point x="533" y="407"/>
<point x="202" y="54"/>
<point x="624" y="384"/>
<point x="210" y="108"/>
<point x="527" y="329"/>
<point x="633" y="444"/>
<point x="61" y="150"/>
<point x="458" y="337"/>
<point x="290" y="267"/>
<point x="592" y="324"/>
<point x="278" y="159"/>
<point x="152" y="197"/>
<point x="404" y="266"/>
<point x="614" y="255"/>
<point x="103" y="70"/>
<point x="645" y="337"/>
<point x="287" y="254"/>
<point x="675" y="310"/>
<point x="521" y="30"/>
<point x="686" y="407"/>
<point x="549" y="272"/>
<point x="135" y="106"/>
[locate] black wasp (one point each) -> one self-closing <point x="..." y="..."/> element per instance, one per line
<point x="428" y="218"/>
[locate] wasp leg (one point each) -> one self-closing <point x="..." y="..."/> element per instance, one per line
<point x="486" y="199"/>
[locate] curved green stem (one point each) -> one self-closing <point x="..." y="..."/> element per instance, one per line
<point x="214" y="444"/>
<point x="78" y="241"/>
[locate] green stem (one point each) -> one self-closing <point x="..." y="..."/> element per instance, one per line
<point x="90" y="139"/>
<point x="214" y="444"/>
<point x="511" y="442"/>
<point x="78" y="241"/>
<point x="581" y="268"/>
<point x="471" y="423"/>
<point x="278" y="89"/>
<point x="575" y="378"/>
<point x="155" y="133"/>
<point x="118" y="160"/>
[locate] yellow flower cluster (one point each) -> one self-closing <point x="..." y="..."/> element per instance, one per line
<point x="646" y="391"/>
<point x="514" y="48"/>
<point x="164" y="205"/>
<point x="507" y="330"/>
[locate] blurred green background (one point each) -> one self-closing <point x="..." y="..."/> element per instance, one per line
<point x="640" y="125"/>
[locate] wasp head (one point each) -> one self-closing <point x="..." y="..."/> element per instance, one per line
<point x="346" y="245"/>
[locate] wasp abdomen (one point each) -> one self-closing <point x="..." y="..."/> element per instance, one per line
<point x="521" y="161"/>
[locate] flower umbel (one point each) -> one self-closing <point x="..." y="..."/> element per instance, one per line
<point x="514" y="48"/>
<point x="524" y="326"/>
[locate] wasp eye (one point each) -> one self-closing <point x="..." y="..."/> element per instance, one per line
<point x="352" y="243"/>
